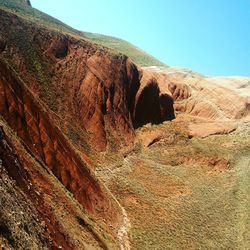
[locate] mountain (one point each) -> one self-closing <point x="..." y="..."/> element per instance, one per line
<point x="104" y="147"/>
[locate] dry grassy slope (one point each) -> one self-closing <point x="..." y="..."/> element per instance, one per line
<point x="185" y="194"/>
<point x="117" y="45"/>
<point x="20" y="226"/>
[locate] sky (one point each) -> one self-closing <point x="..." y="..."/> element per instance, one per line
<point x="211" y="37"/>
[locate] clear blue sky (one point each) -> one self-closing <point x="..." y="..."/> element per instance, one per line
<point x="209" y="36"/>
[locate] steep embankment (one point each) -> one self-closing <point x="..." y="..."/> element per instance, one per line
<point x="45" y="142"/>
<point x="60" y="89"/>
<point x="35" y="128"/>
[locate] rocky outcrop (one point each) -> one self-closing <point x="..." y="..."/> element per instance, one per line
<point x="106" y="98"/>
<point x="204" y="97"/>
<point x="179" y="91"/>
<point x="49" y="217"/>
<point x="147" y="109"/>
<point x="59" y="48"/>
<point x="167" y="107"/>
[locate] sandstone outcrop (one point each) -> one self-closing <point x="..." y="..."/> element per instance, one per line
<point x="147" y="108"/>
<point x="207" y="97"/>
<point x="66" y="104"/>
<point x="65" y="97"/>
<point x="218" y="103"/>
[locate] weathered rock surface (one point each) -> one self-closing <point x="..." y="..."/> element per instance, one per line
<point x="64" y="101"/>
<point x="147" y="109"/>
<point x="57" y="214"/>
<point x="46" y="143"/>
<point x="214" y="100"/>
<point x="151" y="105"/>
<point x="90" y="90"/>
<point x="207" y="97"/>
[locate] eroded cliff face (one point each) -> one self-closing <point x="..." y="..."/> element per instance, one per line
<point x="91" y="90"/>
<point x="210" y="98"/>
<point x="47" y="144"/>
<point x="65" y="97"/>
<point x="46" y="215"/>
<point x="46" y="141"/>
<point x="152" y="105"/>
<point x="106" y="99"/>
<point x="64" y="100"/>
<point x="211" y="105"/>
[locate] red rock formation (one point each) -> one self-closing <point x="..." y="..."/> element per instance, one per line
<point x="210" y="98"/>
<point x="106" y="97"/>
<point x="59" y="215"/>
<point x="31" y="122"/>
<point x="90" y="89"/>
<point x="59" y="48"/>
<point x="179" y="91"/>
<point x="167" y="107"/>
<point x="204" y="129"/>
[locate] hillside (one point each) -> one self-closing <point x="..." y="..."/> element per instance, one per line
<point x="99" y="152"/>
<point x="137" y="55"/>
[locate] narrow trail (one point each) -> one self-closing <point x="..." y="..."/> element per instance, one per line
<point x="123" y="231"/>
<point x="122" y="234"/>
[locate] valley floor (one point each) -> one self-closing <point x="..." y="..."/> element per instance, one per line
<point x="182" y="193"/>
